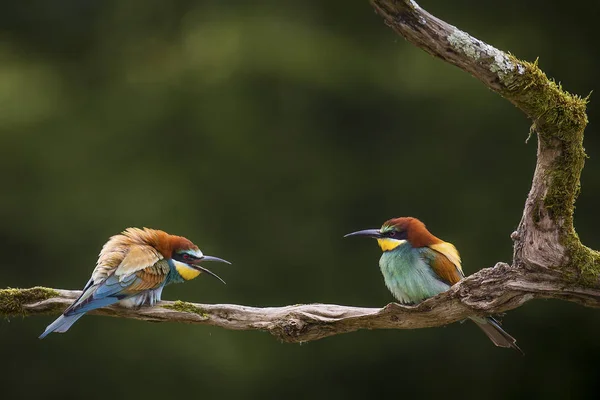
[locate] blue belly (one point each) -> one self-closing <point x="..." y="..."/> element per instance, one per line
<point x="408" y="276"/>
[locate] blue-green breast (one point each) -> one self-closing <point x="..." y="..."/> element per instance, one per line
<point x="174" y="276"/>
<point x="408" y="276"/>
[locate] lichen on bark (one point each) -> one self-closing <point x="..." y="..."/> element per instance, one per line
<point x="559" y="119"/>
<point x="496" y="60"/>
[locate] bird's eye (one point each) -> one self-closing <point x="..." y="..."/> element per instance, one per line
<point x="392" y="233"/>
<point x="186" y="256"/>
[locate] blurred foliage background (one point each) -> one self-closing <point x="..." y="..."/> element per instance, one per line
<point x="265" y="131"/>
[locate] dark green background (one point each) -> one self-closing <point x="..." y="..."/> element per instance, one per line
<point x="264" y="131"/>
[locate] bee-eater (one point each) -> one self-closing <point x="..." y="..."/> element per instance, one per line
<point x="417" y="265"/>
<point x="132" y="269"/>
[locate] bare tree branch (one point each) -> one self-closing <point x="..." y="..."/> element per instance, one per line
<point x="549" y="260"/>
<point x="489" y="291"/>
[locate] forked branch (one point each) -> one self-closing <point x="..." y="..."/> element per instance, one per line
<point x="545" y="237"/>
<point x="549" y="260"/>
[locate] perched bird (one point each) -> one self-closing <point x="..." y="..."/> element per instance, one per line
<point x="417" y="265"/>
<point x="132" y="269"/>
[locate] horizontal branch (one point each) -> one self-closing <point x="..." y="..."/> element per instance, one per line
<point x="489" y="291"/>
<point x="547" y="249"/>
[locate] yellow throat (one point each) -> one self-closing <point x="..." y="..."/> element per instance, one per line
<point x="388" y="244"/>
<point x="186" y="271"/>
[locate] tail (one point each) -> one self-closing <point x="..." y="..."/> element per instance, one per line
<point x="492" y="329"/>
<point x="87" y="301"/>
<point x="62" y="324"/>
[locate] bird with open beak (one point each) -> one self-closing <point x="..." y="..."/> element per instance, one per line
<point x="417" y="265"/>
<point x="132" y="270"/>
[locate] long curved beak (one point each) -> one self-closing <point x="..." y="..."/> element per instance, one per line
<point x="209" y="258"/>
<point x="372" y="233"/>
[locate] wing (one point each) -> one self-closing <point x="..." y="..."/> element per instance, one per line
<point x="124" y="257"/>
<point x="125" y="282"/>
<point x="138" y="258"/>
<point x="444" y="260"/>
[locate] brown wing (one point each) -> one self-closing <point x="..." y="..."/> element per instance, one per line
<point x="138" y="258"/>
<point x="150" y="277"/>
<point x="131" y="277"/>
<point x="446" y="262"/>
<point x="123" y="255"/>
<point x="137" y="267"/>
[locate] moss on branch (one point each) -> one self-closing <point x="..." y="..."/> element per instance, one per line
<point x="559" y="118"/>
<point x="184" y="306"/>
<point x="12" y="301"/>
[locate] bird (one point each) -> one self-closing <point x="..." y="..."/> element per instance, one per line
<point x="417" y="265"/>
<point x="132" y="269"/>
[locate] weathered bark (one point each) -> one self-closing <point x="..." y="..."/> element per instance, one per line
<point x="549" y="260"/>
<point x="491" y="290"/>
<point x="545" y="237"/>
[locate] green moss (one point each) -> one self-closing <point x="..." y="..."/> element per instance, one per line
<point x="559" y="118"/>
<point x="556" y="113"/>
<point x="584" y="261"/>
<point x="13" y="300"/>
<point x="184" y="306"/>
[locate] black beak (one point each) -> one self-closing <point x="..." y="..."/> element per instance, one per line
<point x="217" y="259"/>
<point x="209" y="258"/>
<point x="372" y="233"/>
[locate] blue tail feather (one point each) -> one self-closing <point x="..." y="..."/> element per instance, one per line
<point x="110" y="291"/>
<point x="106" y="294"/>
<point x="61" y="324"/>
<point x="92" y="304"/>
<point x="64" y="322"/>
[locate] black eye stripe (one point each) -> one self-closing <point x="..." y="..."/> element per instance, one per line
<point x="184" y="257"/>
<point x="396" y="235"/>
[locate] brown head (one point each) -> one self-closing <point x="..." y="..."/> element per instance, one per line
<point x="182" y="253"/>
<point x="397" y="231"/>
<point x="167" y="245"/>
